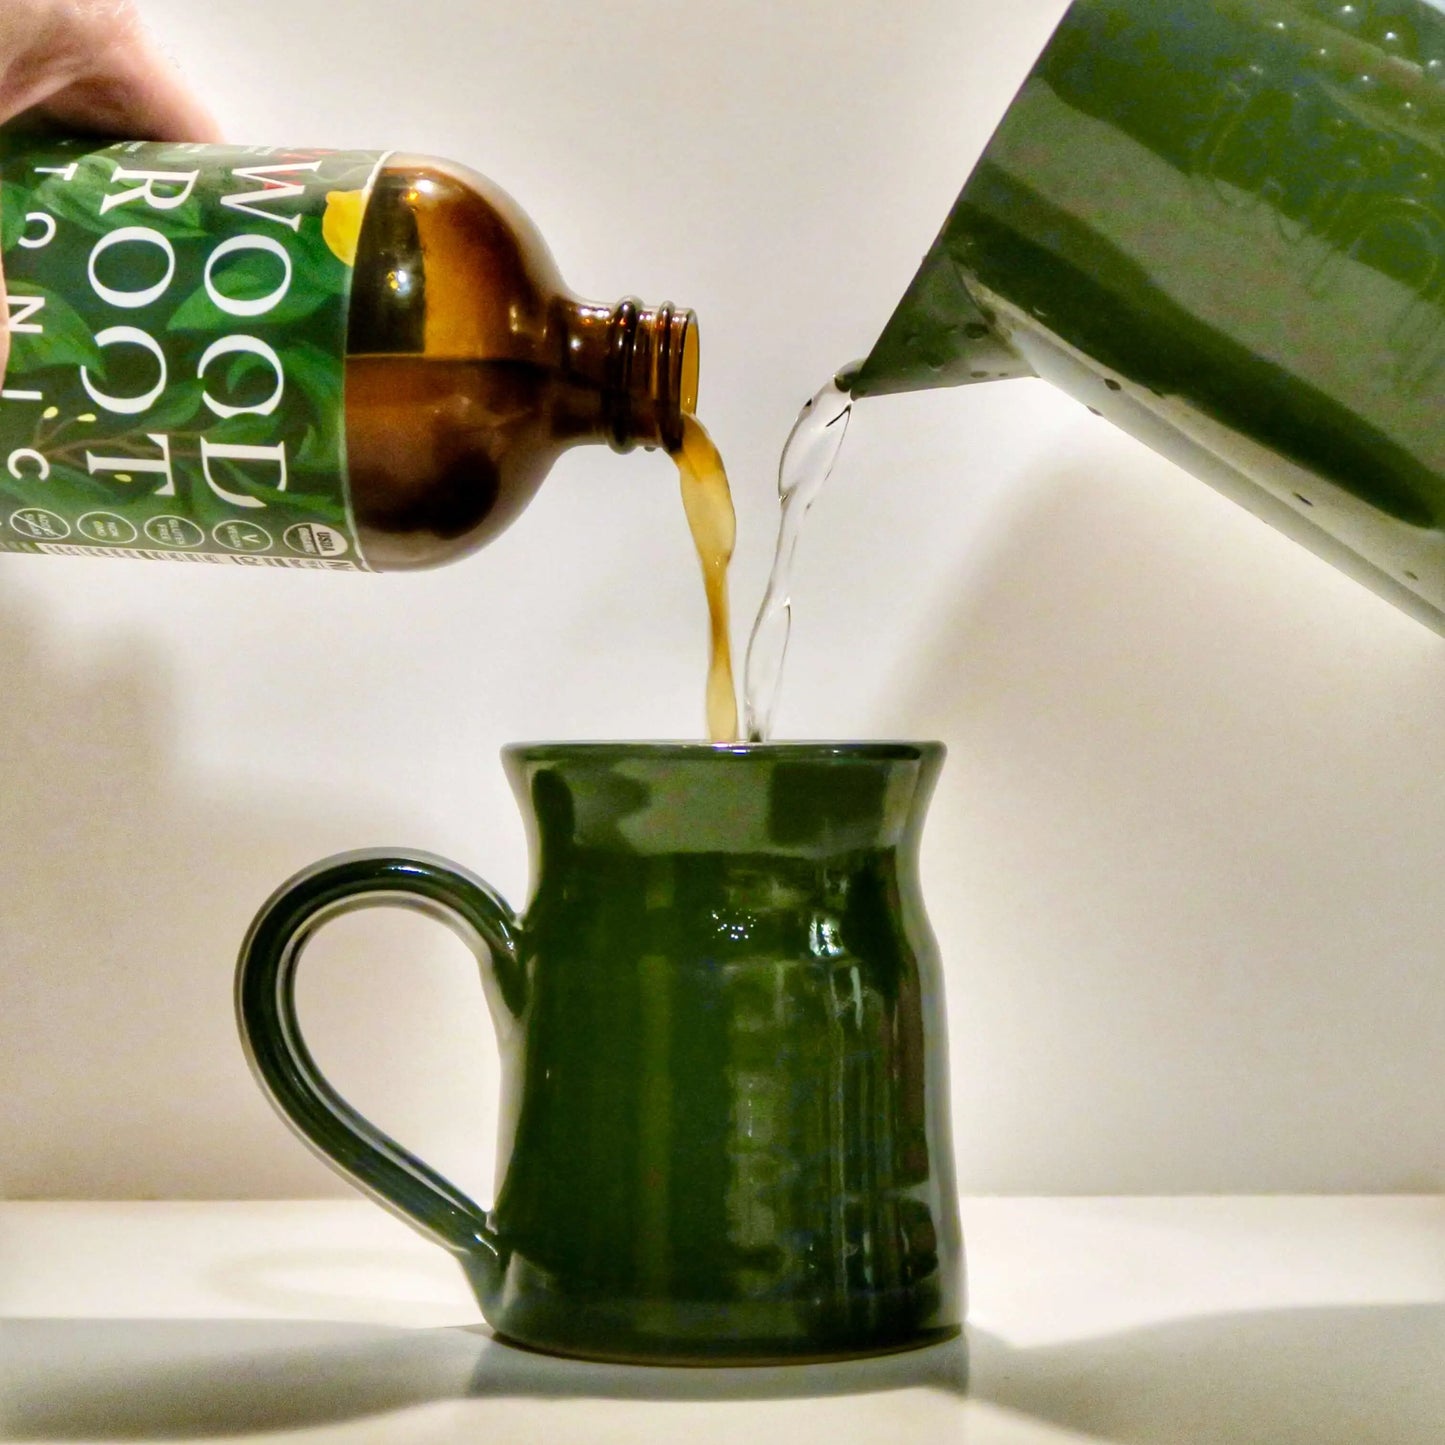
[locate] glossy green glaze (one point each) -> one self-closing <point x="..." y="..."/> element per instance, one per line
<point x="1221" y="224"/>
<point x="724" y="1118"/>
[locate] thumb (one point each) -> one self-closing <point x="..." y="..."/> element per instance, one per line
<point x="131" y="89"/>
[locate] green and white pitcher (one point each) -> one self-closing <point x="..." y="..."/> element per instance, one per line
<point x="1221" y="224"/>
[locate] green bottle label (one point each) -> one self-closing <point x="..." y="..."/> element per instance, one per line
<point x="178" y="334"/>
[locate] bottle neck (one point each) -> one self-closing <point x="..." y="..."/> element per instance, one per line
<point x="640" y="361"/>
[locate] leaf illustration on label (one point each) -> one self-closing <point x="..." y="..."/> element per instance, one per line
<point x="315" y="376"/>
<point x="67" y="339"/>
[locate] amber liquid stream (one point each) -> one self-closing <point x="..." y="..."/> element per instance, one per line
<point x="708" y="503"/>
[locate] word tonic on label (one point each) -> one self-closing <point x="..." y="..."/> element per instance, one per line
<point x="178" y="317"/>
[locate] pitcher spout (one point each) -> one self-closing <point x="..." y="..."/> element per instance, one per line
<point x="938" y="335"/>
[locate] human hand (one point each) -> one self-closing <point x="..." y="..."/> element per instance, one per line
<point x="89" y="65"/>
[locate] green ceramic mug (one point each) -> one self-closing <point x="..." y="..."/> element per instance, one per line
<point x="724" y="1117"/>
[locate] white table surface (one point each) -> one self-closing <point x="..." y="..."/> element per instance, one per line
<point x="1280" y="1321"/>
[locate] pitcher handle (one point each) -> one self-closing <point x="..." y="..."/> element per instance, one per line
<point x="266" y="1014"/>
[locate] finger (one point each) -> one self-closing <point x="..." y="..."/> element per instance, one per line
<point x="131" y="89"/>
<point x="90" y="64"/>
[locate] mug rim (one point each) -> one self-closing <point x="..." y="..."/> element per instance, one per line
<point x="679" y="750"/>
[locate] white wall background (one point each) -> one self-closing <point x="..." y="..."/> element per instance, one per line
<point x="1188" y="861"/>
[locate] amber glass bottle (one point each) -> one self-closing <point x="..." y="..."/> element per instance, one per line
<point x="297" y="357"/>
<point x="470" y="366"/>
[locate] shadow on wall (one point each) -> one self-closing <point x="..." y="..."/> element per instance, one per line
<point x="1322" y="1376"/>
<point x="124" y="893"/>
<point x="1194" y="830"/>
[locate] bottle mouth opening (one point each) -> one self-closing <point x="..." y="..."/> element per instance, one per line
<point x="687" y="394"/>
<point x="652" y="374"/>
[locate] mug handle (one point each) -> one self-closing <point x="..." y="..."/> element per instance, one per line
<point x="266" y="1014"/>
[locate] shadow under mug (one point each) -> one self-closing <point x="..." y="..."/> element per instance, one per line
<point x="724" y="1128"/>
